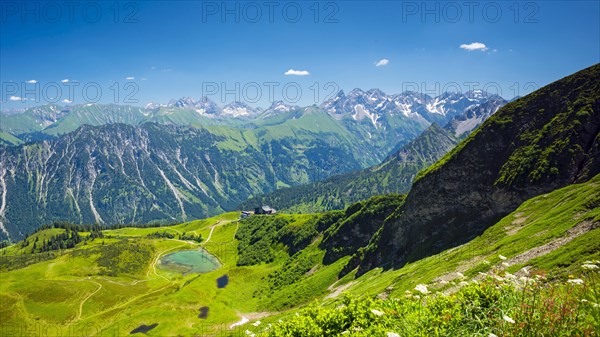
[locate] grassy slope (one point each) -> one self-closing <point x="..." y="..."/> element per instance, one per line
<point x="50" y="293"/>
<point x="537" y="222"/>
<point x="19" y="123"/>
<point x="9" y="139"/>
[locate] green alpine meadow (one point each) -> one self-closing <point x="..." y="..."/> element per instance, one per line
<point x="299" y="169"/>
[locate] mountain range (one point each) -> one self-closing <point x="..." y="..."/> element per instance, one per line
<point x="194" y="159"/>
<point x="395" y="114"/>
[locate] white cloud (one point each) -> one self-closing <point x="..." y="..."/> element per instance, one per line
<point x="67" y="101"/>
<point x="32" y="81"/>
<point x="16" y="98"/>
<point x="130" y="78"/>
<point x="382" y="62"/>
<point x="164" y="70"/>
<point x="474" y="46"/>
<point x="297" y="72"/>
<point x="66" y="80"/>
<point x="143" y="79"/>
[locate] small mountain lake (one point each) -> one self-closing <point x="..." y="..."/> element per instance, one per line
<point x="189" y="261"/>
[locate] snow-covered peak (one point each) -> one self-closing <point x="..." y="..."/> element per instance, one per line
<point x="375" y="94"/>
<point x="276" y="108"/>
<point x="184" y="102"/>
<point x="334" y="105"/>
<point x="280" y="106"/>
<point x="238" y="109"/>
<point x="475" y="114"/>
<point x="207" y="107"/>
<point x="412" y="105"/>
<point x="153" y="105"/>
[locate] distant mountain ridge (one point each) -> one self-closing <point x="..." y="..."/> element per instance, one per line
<point x="375" y="104"/>
<point x="397" y="115"/>
<point x="394" y="175"/>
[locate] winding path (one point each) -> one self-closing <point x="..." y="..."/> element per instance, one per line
<point x="87" y="298"/>
<point x="212" y="228"/>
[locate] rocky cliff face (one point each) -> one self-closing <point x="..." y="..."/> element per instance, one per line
<point x="531" y="146"/>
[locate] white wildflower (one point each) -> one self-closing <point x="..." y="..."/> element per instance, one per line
<point x="583" y="300"/>
<point x="377" y="312"/>
<point x="492" y="335"/>
<point x="463" y="283"/>
<point x="505" y="264"/>
<point x="502" y="257"/>
<point x="595" y="305"/>
<point x="525" y="279"/>
<point x="407" y="292"/>
<point x="589" y="266"/>
<point x="422" y="288"/>
<point x="392" y="334"/>
<point x="443" y="282"/>
<point x="417" y="297"/>
<point x="460" y="275"/>
<point x="510" y="276"/>
<point x="576" y="281"/>
<point x="508" y="319"/>
<point x="345" y="332"/>
<point x="250" y="333"/>
<point x="257" y="323"/>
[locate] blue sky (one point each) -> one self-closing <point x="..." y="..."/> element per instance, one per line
<point x="137" y="52"/>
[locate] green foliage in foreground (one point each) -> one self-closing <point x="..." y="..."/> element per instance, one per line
<point x="497" y="306"/>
